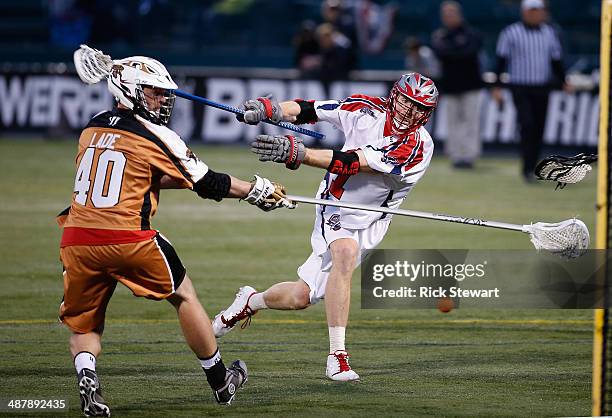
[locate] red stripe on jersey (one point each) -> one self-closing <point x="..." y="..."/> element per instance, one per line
<point x="387" y="131"/>
<point x="378" y="101"/>
<point x="408" y="154"/>
<point x="416" y="160"/>
<point x="94" y="236"/>
<point x="352" y="107"/>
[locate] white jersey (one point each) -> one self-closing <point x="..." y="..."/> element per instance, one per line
<point x="400" y="162"/>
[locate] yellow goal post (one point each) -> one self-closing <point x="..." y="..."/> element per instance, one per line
<point x="602" y="338"/>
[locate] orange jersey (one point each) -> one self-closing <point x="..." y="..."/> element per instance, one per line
<point x="120" y="162"/>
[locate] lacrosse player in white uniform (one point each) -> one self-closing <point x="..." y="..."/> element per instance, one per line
<point x="387" y="150"/>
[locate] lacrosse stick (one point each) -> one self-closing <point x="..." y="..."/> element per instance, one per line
<point x="93" y="66"/>
<point x="565" y="170"/>
<point x="567" y="239"/>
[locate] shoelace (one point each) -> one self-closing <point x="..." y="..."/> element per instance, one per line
<point x="247" y="321"/>
<point x="343" y="362"/>
<point x="245" y="313"/>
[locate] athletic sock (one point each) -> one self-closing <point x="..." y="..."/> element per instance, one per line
<point x="215" y="370"/>
<point x="336" y="339"/>
<point x="84" y="360"/>
<point x="257" y="302"/>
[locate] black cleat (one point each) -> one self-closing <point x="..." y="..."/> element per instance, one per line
<point x="92" y="402"/>
<point x="235" y="377"/>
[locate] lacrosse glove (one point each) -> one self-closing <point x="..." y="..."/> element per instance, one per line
<point x="262" y="108"/>
<point x="285" y="149"/>
<point x="267" y="195"/>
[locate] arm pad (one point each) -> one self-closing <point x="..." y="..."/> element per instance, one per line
<point x="344" y="163"/>
<point x="213" y="185"/>
<point x="307" y="112"/>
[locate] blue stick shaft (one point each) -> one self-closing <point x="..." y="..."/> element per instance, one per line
<point x="237" y="111"/>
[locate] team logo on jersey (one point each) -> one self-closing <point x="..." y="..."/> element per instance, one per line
<point x="367" y="111"/>
<point x="191" y="155"/>
<point x="334" y="222"/>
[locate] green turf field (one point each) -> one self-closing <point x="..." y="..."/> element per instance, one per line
<point x="412" y="362"/>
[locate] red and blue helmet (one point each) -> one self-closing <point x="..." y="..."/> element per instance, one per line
<point x="412" y="100"/>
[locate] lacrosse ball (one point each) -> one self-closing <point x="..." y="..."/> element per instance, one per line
<point x="445" y="305"/>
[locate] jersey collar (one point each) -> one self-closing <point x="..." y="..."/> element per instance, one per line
<point x="388" y="132"/>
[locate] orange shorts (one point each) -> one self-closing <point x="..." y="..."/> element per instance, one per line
<point x="150" y="269"/>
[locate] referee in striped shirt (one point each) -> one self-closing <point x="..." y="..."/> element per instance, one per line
<point x="530" y="51"/>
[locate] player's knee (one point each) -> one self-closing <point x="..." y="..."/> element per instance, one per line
<point x="344" y="255"/>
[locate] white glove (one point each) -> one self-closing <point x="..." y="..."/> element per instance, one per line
<point x="267" y="195"/>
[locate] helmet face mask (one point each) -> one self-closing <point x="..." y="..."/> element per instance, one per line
<point x="154" y="104"/>
<point x="412" y="100"/>
<point x="143" y="85"/>
<point x="407" y="114"/>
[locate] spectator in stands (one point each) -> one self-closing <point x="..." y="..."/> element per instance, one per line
<point x="420" y="58"/>
<point x="335" y="55"/>
<point x="342" y="19"/>
<point x="374" y="24"/>
<point x="307" y="52"/>
<point x="531" y="52"/>
<point x="457" y="46"/>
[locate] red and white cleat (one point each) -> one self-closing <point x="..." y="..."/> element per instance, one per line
<point x="226" y="320"/>
<point x="338" y="367"/>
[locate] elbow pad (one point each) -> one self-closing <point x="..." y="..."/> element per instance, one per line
<point x="344" y="163"/>
<point x="307" y="112"/>
<point x="213" y="186"/>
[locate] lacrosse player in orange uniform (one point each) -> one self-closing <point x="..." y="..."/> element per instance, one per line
<point x="125" y="157"/>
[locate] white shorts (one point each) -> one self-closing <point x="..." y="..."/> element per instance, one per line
<point x="315" y="269"/>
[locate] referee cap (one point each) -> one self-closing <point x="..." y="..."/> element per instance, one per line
<point x="532" y="4"/>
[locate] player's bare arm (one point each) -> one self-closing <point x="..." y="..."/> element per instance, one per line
<point x="261" y="192"/>
<point x="290" y="151"/>
<point x="241" y="189"/>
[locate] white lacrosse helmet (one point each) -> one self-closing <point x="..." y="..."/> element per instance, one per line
<point x="130" y="75"/>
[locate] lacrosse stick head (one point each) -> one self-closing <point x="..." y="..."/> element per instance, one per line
<point x="92" y="65"/>
<point x="567" y="239"/>
<point x="565" y="170"/>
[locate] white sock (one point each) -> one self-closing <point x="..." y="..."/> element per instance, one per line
<point x="257" y="302"/>
<point x="84" y="360"/>
<point x="336" y="339"/>
<point x="207" y="363"/>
